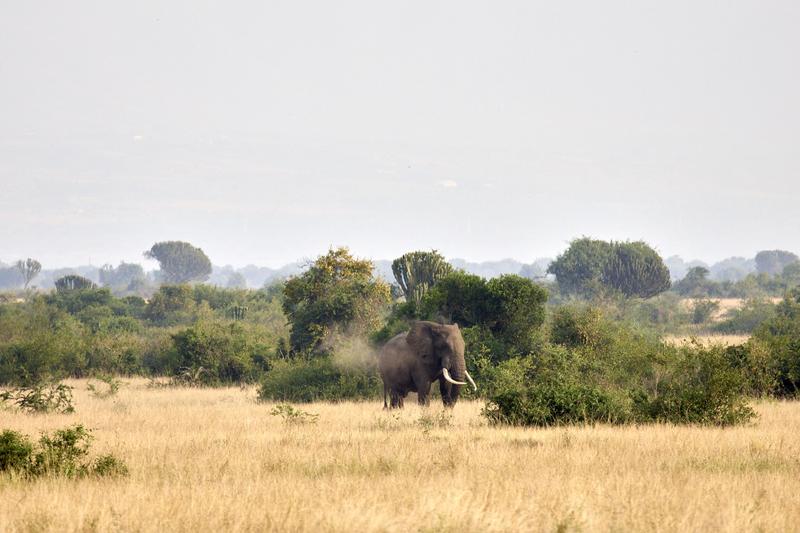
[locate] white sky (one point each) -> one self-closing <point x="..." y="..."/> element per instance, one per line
<point x="264" y="132"/>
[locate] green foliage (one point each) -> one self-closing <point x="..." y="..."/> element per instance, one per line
<point x="41" y="398"/>
<point x="293" y="416"/>
<point x="636" y="270"/>
<point x="595" y="268"/>
<point x="460" y="298"/>
<point x="337" y="293"/>
<point x="416" y="272"/>
<point x="171" y="305"/>
<point x="575" y="325"/>
<point x="180" y="262"/>
<point x="15" y="451"/>
<point x="780" y="338"/>
<point x="109" y="466"/>
<point x="746" y="318"/>
<point x="517" y="311"/>
<point x="510" y="308"/>
<point x="774" y="261"/>
<point x="319" y="379"/>
<point x="701" y="388"/>
<point x="580" y="269"/>
<point x="694" y="283"/>
<point x="89" y="332"/>
<point x="227" y="353"/>
<point x="703" y="309"/>
<point x="602" y="371"/>
<point x="74" y="301"/>
<point x="60" y="454"/>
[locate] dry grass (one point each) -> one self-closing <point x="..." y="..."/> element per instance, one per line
<point x="707" y="339"/>
<point x="214" y="460"/>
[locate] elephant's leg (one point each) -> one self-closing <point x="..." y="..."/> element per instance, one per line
<point x="396" y="400"/>
<point x="444" y="389"/>
<point x="423" y="393"/>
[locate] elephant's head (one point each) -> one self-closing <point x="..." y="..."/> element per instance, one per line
<point x="441" y="348"/>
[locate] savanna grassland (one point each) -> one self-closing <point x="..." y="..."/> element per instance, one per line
<point x="215" y="459"/>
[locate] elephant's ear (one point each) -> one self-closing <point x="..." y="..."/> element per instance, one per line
<point x="420" y="338"/>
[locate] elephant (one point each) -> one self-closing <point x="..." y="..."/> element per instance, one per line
<point x="411" y="361"/>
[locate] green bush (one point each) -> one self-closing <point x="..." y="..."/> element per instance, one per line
<point x="599" y="371"/>
<point x="40" y="398"/>
<point x="747" y="318"/>
<point x="60" y="454"/>
<point x="780" y="337"/>
<point x="551" y="390"/>
<point x="703" y="309"/>
<point x="701" y="387"/>
<point x="15" y="451"/>
<point x="226" y="352"/>
<point x="318" y="379"/>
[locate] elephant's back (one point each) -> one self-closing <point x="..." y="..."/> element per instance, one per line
<point x="394" y="348"/>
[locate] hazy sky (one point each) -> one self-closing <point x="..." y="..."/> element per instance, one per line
<point x="265" y="132"/>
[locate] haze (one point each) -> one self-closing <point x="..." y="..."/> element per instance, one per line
<point x="265" y="132"/>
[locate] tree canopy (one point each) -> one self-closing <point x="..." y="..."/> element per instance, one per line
<point x="180" y="262"/>
<point x="774" y="261"/>
<point x="510" y="308"/>
<point x="591" y="267"/>
<point x="338" y="293"/>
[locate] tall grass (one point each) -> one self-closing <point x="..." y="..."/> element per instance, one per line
<point x="216" y="460"/>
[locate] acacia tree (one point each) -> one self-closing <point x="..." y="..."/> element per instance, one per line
<point x="29" y="268"/>
<point x="337" y="293"/>
<point x="180" y="262"/>
<point x="416" y="272"/>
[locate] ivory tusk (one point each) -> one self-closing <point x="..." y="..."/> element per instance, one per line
<point x="449" y="379"/>
<point x="469" y="378"/>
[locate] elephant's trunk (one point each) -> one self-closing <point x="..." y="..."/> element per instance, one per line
<point x="450" y="380"/>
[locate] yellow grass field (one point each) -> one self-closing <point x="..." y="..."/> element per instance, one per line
<point x="707" y="339"/>
<point x="215" y="460"/>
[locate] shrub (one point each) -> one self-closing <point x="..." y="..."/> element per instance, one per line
<point x="780" y="337"/>
<point x="15" y="451"/>
<point x="552" y="389"/>
<point x="747" y="318"/>
<point x="703" y="309"/>
<point x="318" y="379"/>
<point x="62" y="454"/>
<point x="700" y="388"/>
<point x="608" y="372"/>
<point x="42" y="398"/>
<point x="226" y="352"/>
<point x="292" y="415"/>
<point x="109" y="466"/>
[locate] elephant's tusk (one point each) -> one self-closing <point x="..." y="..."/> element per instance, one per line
<point x="469" y="378"/>
<point x="449" y="379"/>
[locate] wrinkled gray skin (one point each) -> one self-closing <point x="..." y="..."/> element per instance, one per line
<point x="411" y="362"/>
